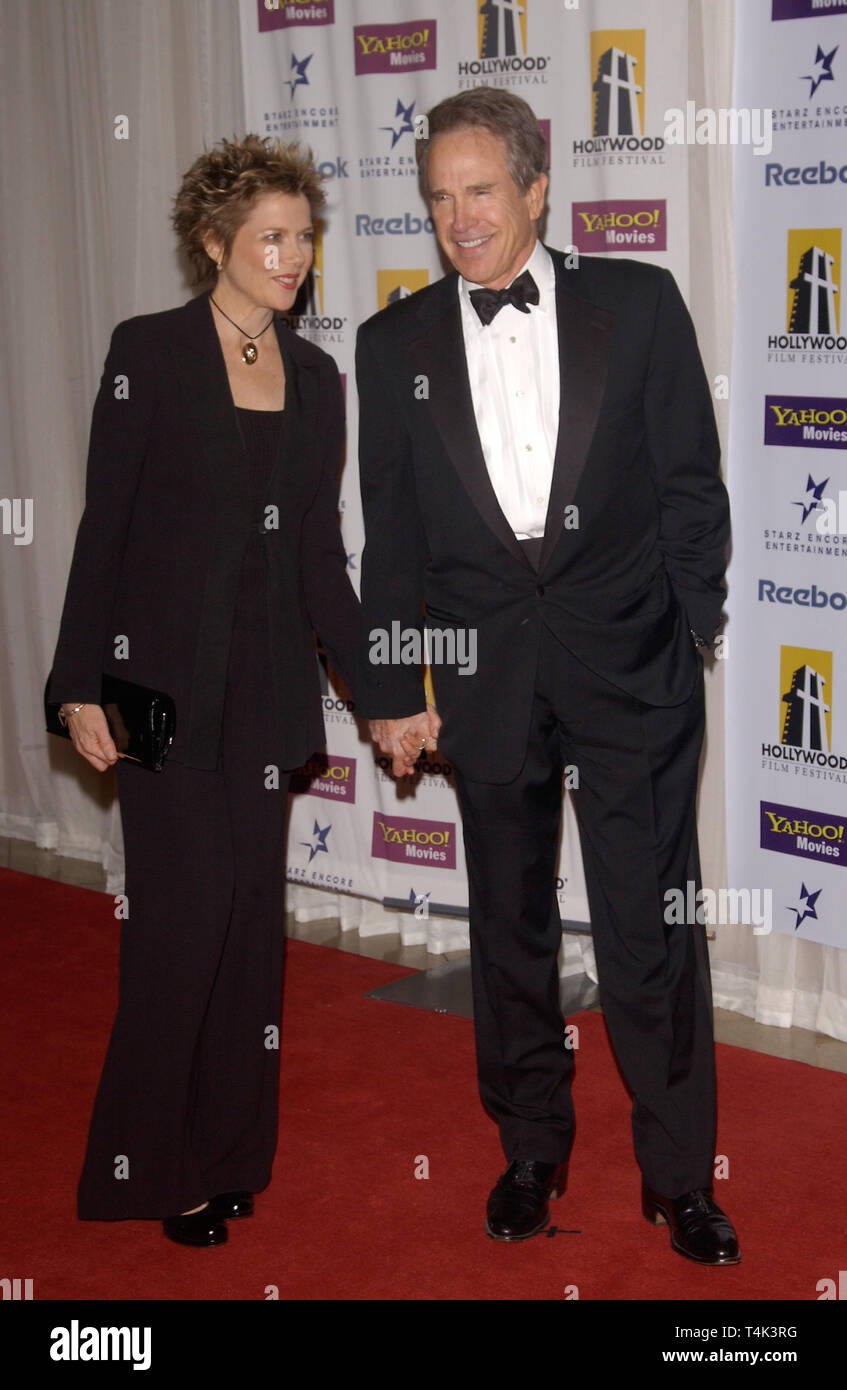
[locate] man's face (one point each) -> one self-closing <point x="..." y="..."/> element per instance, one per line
<point x="484" y="224"/>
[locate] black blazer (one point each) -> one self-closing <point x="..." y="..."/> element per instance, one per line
<point x="160" y="545"/>
<point x="637" y="453"/>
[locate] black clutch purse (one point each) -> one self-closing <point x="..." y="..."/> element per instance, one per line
<point x="142" y="722"/>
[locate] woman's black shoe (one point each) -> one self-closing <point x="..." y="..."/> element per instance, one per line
<point x="197" y="1228"/>
<point x="231" y="1206"/>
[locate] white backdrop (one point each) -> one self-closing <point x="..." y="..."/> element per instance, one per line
<point x="87" y="242"/>
<point x="355" y="89"/>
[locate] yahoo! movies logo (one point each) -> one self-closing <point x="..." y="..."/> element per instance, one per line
<point x="617" y="92"/>
<point x="811" y="422"/>
<point x="806" y="9"/>
<point x="392" y="47"/>
<point x="326" y="775"/>
<point x="809" y="834"/>
<point x="279" y="14"/>
<point x="503" y="58"/>
<point x="620" y="225"/>
<point x="400" y="839"/>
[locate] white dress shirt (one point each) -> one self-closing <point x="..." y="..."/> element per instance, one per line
<point x="513" y="366"/>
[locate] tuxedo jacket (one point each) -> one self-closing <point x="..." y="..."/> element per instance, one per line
<point x="167" y="517"/>
<point x="637" y="454"/>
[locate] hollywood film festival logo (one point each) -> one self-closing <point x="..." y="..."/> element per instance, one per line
<point x="504" y="56"/>
<point x="310" y="317"/>
<point x="805" y="746"/>
<point x="813" y="301"/>
<point x="617" y="93"/>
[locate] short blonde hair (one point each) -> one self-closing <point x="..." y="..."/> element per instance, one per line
<point x="220" y="188"/>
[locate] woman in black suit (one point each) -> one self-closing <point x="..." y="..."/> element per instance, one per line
<point x="208" y="555"/>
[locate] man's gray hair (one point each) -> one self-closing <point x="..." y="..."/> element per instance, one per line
<point x="503" y="114"/>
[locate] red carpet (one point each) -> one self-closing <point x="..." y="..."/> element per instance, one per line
<point x="367" y="1087"/>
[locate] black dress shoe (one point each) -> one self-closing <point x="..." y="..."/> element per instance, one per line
<point x="231" y="1206"/>
<point x="518" y="1206"/>
<point x="699" y="1229"/>
<point x="197" y="1228"/>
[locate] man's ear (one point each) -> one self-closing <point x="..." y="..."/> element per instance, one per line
<point x="535" y="195"/>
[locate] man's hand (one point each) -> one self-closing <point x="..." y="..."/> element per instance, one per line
<point x="403" y="740"/>
<point x="90" y="736"/>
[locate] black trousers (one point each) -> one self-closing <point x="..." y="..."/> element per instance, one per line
<point x="635" y="805"/>
<point x="187" y="1105"/>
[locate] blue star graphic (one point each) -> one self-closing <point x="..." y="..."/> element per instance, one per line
<point x="822" y="70"/>
<point x="816" y="491"/>
<point x="301" y="80"/>
<point x="407" y="128"/>
<point x="809" y="910"/>
<point x="320" y="841"/>
<point x="351" y="561"/>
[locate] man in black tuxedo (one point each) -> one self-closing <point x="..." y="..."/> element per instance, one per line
<point x="539" y="470"/>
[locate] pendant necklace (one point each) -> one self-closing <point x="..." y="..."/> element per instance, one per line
<point x="249" y="352"/>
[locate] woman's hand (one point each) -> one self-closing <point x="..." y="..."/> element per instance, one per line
<point x="90" y="736"/>
<point x="404" y="740"/>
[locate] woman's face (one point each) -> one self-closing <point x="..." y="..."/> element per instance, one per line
<point x="271" y="252"/>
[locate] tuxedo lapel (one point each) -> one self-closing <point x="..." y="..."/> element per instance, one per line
<point x="439" y="354"/>
<point x="585" y="339"/>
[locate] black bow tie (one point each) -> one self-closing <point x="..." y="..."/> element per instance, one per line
<point x="522" y="292"/>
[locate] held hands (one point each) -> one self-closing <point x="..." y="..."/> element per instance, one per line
<point x="90" y="736"/>
<point x="403" y="740"/>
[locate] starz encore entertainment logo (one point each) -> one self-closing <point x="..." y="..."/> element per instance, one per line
<point x="806" y="906"/>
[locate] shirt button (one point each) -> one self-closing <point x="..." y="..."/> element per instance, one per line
<point x="519" y="393"/>
<point x="513" y="340"/>
<point x="540" y="590"/>
<point x="529" y="448"/>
